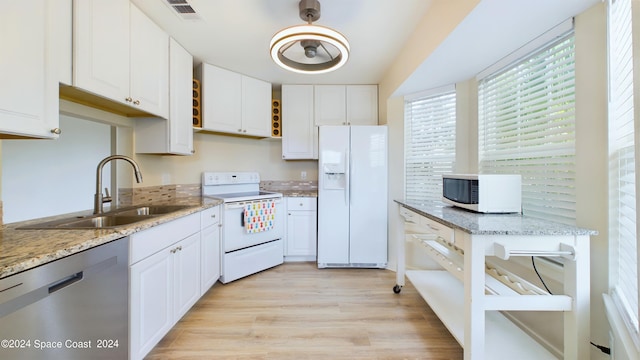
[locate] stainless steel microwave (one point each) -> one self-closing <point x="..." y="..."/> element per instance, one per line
<point x="485" y="193"/>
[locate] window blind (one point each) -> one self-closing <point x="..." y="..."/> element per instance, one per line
<point x="430" y="123"/>
<point x="527" y="127"/>
<point x="622" y="174"/>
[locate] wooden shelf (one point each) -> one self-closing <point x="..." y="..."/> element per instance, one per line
<point x="445" y="295"/>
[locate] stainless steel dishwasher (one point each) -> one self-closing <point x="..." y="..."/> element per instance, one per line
<point x="72" y="308"/>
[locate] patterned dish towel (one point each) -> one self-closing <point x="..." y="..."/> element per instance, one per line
<point x="259" y="216"/>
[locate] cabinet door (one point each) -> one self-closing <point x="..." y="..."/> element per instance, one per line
<point x="362" y="104"/>
<point x="180" y="109"/>
<point x="149" y="64"/>
<point x="256" y="107"/>
<point x="186" y="274"/>
<point x="29" y="91"/>
<point x="299" y="134"/>
<point x="101" y="47"/>
<point x="175" y="134"/>
<point x="210" y="259"/>
<point x="61" y="39"/>
<point x="151" y="315"/>
<point x="301" y="233"/>
<point x="330" y="105"/>
<point x="221" y="100"/>
<point x="301" y="226"/>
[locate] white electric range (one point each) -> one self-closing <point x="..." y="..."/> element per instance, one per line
<point x="252" y="223"/>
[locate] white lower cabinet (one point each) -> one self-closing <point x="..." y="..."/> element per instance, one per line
<point x="210" y="247"/>
<point x="151" y="313"/>
<point x="301" y="236"/>
<point x="186" y="274"/>
<point x="164" y="280"/>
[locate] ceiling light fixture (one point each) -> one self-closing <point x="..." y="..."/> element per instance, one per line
<point x="309" y="49"/>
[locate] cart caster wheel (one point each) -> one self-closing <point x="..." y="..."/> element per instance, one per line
<point x="397" y="288"/>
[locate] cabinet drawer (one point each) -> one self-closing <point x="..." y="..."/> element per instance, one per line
<point x="301" y="203"/>
<point x="438" y="229"/>
<point x="150" y="241"/>
<point x="409" y="216"/>
<point x="210" y="216"/>
<point x="422" y="223"/>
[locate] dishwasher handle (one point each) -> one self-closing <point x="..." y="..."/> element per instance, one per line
<point x="63" y="283"/>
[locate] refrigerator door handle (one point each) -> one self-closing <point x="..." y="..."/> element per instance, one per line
<point x="347" y="170"/>
<point x="351" y="169"/>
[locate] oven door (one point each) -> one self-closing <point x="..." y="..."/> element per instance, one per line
<point x="236" y="236"/>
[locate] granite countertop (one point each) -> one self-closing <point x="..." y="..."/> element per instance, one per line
<point x="491" y="224"/>
<point x="25" y="249"/>
<point x="299" y="193"/>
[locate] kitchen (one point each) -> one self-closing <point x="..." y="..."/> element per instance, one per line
<point x="213" y="151"/>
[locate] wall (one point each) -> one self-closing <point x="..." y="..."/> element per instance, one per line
<point x="224" y="153"/>
<point x="48" y="177"/>
<point x="591" y="169"/>
<point x="96" y="134"/>
<point x="440" y="19"/>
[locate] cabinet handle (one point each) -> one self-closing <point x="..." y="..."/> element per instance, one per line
<point x="128" y="99"/>
<point x="300" y="204"/>
<point x="289" y="214"/>
<point x="137" y="102"/>
<point x="244" y="131"/>
<point x="213" y="216"/>
<point x="239" y="130"/>
<point x="56" y="131"/>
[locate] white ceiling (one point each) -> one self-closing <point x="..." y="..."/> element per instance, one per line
<point x="235" y="34"/>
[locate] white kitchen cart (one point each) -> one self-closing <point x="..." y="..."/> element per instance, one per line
<point x="469" y="292"/>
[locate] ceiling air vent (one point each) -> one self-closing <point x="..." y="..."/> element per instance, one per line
<point x="183" y="9"/>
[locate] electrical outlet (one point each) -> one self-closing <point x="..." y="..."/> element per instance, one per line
<point x="303" y="175"/>
<point x="166" y="179"/>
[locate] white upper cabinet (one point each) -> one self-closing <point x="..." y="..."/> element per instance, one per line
<point x="175" y="134"/>
<point x="299" y="135"/>
<point x="101" y="47"/>
<point x="305" y="107"/>
<point x="234" y="103"/>
<point x="121" y="55"/>
<point x="29" y="91"/>
<point x="346" y="105"/>
<point x="256" y="107"/>
<point x="149" y="64"/>
<point x="221" y="99"/>
<point x="362" y="104"/>
<point x="330" y="105"/>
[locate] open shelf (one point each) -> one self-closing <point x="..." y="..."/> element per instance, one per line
<point x="503" y="339"/>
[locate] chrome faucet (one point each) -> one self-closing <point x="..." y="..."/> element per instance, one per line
<point x="99" y="199"/>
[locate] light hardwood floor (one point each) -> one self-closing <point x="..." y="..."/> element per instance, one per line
<point x="296" y="311"/>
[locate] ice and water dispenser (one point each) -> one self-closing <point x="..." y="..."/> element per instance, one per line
<point x="334" y="171"/>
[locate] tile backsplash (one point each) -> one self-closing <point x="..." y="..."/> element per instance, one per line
<point x="166" y="193"/>
<point x="155" y="194"/>
<point x="289" y="185"/>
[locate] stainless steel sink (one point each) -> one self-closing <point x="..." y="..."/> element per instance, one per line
<point x="104" y="221"/>
<point x="150" y="210"/>
<point x="111" y="219"/>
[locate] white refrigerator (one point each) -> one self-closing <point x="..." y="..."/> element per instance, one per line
<point x="352" y="196"/>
